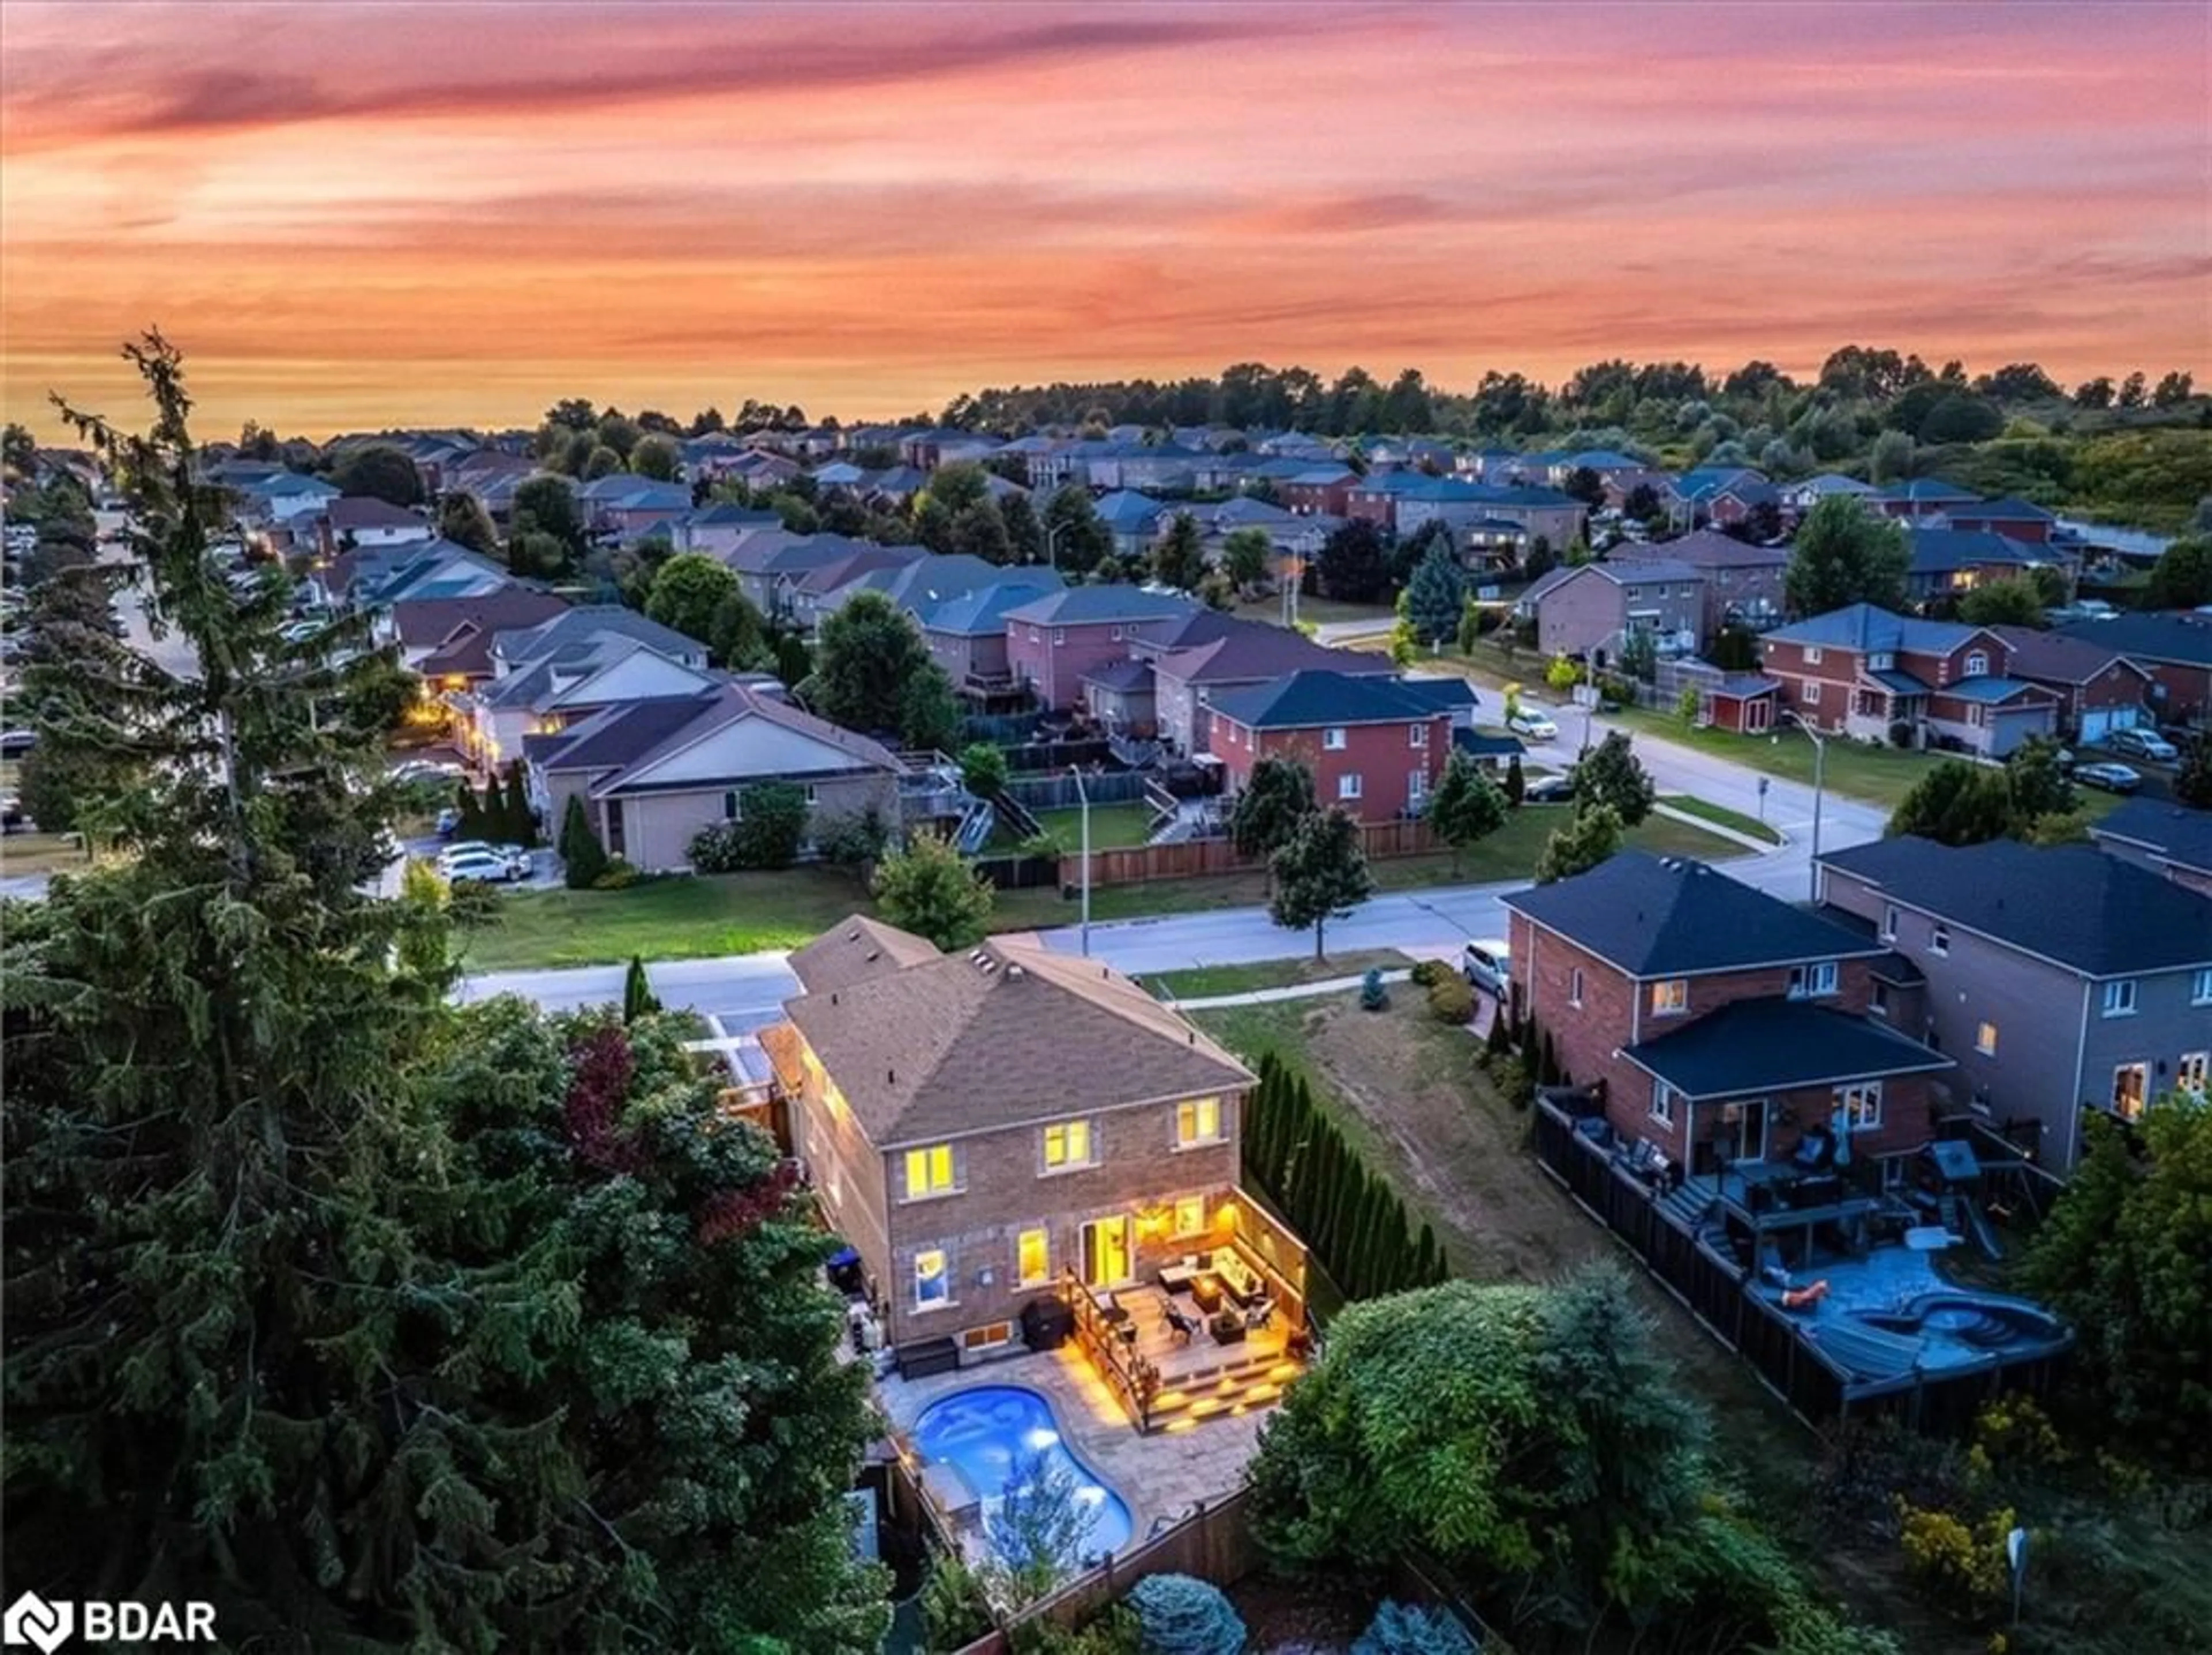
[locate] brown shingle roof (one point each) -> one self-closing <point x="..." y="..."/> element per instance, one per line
<point x="1004" y="1035"/>
<point x="855" y="950"/>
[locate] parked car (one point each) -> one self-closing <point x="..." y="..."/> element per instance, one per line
<point x="1484" y="964"/>
<point x="488" y="868"/>
<point x="448" y="820"/>
<point x="1551" y="790"/>
<point x="1530" y="722"/>
<point x="2112" y="778"/>
<point x="13" y="744"/>
<point x="11" y="815"/>
<point x="469" y="849"/>
<point x="2142" y="744"/>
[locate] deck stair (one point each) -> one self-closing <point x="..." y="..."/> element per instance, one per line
<point x="1690" y="1205"/>
<point x="1203" y="1379"/>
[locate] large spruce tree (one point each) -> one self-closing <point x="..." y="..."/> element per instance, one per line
<point x="379" y="1324"/>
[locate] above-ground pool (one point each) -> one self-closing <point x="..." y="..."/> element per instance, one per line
<point x="980" y="1433"/>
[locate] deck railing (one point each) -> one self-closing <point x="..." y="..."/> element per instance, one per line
<point x="1134" y="1380"/>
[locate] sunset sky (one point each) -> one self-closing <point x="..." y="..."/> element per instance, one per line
<point x="354" y="216"/>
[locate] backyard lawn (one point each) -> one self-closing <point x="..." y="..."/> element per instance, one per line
<point x="1112" y="826"/>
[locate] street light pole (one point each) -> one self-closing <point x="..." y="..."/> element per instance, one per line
<point x="1083" y="795"/>
<point x="1819" y="779"/>
<point x="1052" y="542"/>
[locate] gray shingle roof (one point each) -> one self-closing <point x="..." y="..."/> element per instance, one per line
<point x="1776" y="1045"/>
<point x="1703" y="550"/>
<point x="1003" y="1036"/>
<point x="1869" y="630"/>
<point x="2058" y="657"/>
<point x="588" y="622"/>
<point x="2186" y="639"/>
<point x="1670" y="917"/>
<point x="2070" y="903"/>
<point x="1084" y="605"/>
<point x="1939" y="551"/>
<point x="1303" y="700"/>
<point x="2169" y="832"/>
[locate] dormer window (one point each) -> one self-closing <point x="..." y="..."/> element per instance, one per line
<point x="1978" y="664"/>
<point x="1881" y="660"/>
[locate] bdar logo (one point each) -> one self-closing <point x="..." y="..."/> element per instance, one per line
<point x="32" y="1620"/>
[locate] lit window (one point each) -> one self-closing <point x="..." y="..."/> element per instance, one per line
<point x="2200" y="988"/>
<point x="1348" y="787"/>
<point x="2189" y="1074"/>
<point x="1417" y="735"/>
<point x="2120" y="998"/>
<point x="1861" y="1106"/>
<point x="2129" y="1082"/>
<point x="1938" y="940"/>
<point x="1985" y="1039"/>
<point x="1332" y="738"/>
<point x="1575" y="987"/>
<point x="1670" y="998"/>
<point x="1662" y="1102"/>
<point x="1033" y="1256"/>
<point x="932" y="1279"/>
<point x="1067" y="1144"/>
<point x="929" y="1171"/>
<point x="1198" y="1122"/>
<point x="1809" y="981"/>
<point x="1190" y="1215"/>
<point x="1889" y="922"/>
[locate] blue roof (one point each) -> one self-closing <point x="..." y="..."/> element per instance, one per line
<point x="1488" y="746"/>
<point x="1870" y="629"/>
<point x="1742" y="685"/>
<point x="1083" y="606"/>
<point x="1921" y="490"/>
<point x="1318" y="696"/>
<point x="1669" y="916"/>
<point x="982" y="611"/>
<point x="2183" y="638"/>
<point x="2071" y="904"/>
<point x="1778" y="1045"/>
<point x="726" y="515"/>
<point x="1937" y="551"/>
<point x="1987" y="689"/>
<point x="1124" y="509"/>
<point x="2010" y="510"/>
<point x="1896" y="683"/>
<point x="2170" y="832"/>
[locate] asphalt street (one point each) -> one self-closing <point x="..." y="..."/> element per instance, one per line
<point x="738" y="992"/>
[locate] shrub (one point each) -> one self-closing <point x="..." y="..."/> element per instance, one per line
<point x="1113" y="1633"/>
<point x="1177" y="1614"/>
<point x="1373" y="997"/>
<point x="765" y="833"/>
<point x="1963" y="1570"/>
<point x="1411" y="1629"/>
<point x="1450" y="1000"/>
<point x="849" y="841"/>
<point x="983" y="769"/>
<point x="617" y="875"/>
<point x="1511" y="1076"/>
<point x="953" y="1612"/>
<point x="1427" y="972"/>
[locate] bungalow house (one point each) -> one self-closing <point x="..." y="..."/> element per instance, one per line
<point x="448" y="640"/>
<point x="1052" y="642"/>
<point x="1589" y="610"/>
<point x="625" y="507"/>
<point x="1714" y="1023"/>
<point x="2060" y="979"/>
<point x="1948" y="562"/>
<point x="2014" y="519"/>
<point x="1864" y="673"/>
<point x="2170" y="839"/>
<point x="966" y="632"/>
<point x="2099" y="689"/>
<point x="1375" y="747"/>
<point x="1922" y="498"/>
<point x="1801" y="497"/>
<point x="546" y="676"/>
<point x="363" y="520"/>
<point x="2175" y="649"/>
<point x="654" y="770"/>
<point x="1006" y="1129"/>
<point x="1216" y="654"/>
<point x="1741" y="584"/>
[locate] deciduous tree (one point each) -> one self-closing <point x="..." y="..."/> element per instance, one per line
<point x="926" y="887"/>
<point x="1245" y="557"/>
<point x="1353" y="567"/>
<point x="2182" y="576"/>
<point x="1466" y="806"/>
<point x="1612" y="774"/>
<point x="657" y="457"/>
<point x="462" y="520"/>
<point x="1279" y="795"/>
<point x="868" y="651"/>
<point x="1179" y="560"/>
<point x="379" y="472"/>
<point x="1320" y="874"/>
<point x="1590" y="836"/>
<point x="688" y="592"/>
<point x="2015" y="600"/>
<point x="1843" y="554"/>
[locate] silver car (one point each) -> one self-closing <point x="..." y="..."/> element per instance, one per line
<point x="1485" y="965"/>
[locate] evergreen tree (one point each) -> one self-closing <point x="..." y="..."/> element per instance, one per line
<point x="1517" y="784"/>
<point x="638" y="998"/>
<point x="1590" y="837"/>
<point x="1436" y="594"/>
<point x="1179" y="560"/>
<point x="518" y="826"/>
<point x="493" y="809"/>
<point x="1466" y="806"/>
<point x="1611" y="774"/>
<point x="583" y="858"/>
<point x="1279" y="795"/>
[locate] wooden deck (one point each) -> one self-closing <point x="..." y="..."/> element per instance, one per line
<point x="1200" y="1377"/>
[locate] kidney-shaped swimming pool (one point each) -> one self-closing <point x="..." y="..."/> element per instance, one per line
<point x="983" y="1431"/>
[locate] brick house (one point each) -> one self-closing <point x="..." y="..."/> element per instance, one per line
<point x="1374" y="746"/>
<point x="2099" y="689"/>
<point x="1742" y="583"/>
<point x="1588" y="612"/>
<point x="1215" y="654"/>
<point x="2175" y="649"/>
<point x="1053" y="641"/>
<point x="978" y="1125"/>
<point x="1922" y="499"/>
<point x="1945" y="562"/>
<point x="2060" y="978"/>
<point x="2169" y="839"/>
<point x="1323" y="489"/>
<point x="1861" y="671"/>
<point x="652" y="772"/>
<point x="1717" y="1023"/>
<point x="2015" y="519"/>
<point x="448" y="640"/>
<point x="966" y="632"/>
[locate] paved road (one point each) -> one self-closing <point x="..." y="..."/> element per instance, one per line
<point x="740" y="992"/>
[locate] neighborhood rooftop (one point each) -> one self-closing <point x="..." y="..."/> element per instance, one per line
<point x="1778" y="1045"/>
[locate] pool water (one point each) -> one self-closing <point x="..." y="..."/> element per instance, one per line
<point x="981" y="1432"/>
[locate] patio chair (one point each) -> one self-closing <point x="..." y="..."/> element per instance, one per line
<point x="1260" y="1315"/>
<point x="1181" y="1327"/>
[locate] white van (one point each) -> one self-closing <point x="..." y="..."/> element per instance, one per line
<point x="1484" y="964"/>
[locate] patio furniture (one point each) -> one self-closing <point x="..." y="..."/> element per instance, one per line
<point x="1205" y="1292"/>
<point x="1181" y="1327"/>
<point x="1228" y="1328"/>
<point x="1929" y="1239"/>
<point x="1260" y="1315"/>
<point x="1177" y="1278"/>
<point x="1109" y="1306"/>
<point x="1237" y="1278"/>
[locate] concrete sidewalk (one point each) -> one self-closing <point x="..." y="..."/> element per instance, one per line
<point x="1334" y="985"/>
<point x="1749" y="842"/>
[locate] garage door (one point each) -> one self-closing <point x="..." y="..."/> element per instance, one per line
<point x="2100" y="722"/>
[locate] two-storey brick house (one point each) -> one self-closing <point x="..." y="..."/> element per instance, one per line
<point x="1865" y="672"/>
<point x="1590" y="612"/>
<point x="979" y="1125"/>
<point x="1719" y="1023"/>
<point x="2060" y="978"/>
<point x="2174" y="649"/>
<point x="2099" y="689"/>
<point x="1374" y="746"/>
<point x="1053" y="642"/>
<point x="1742" y="583"/>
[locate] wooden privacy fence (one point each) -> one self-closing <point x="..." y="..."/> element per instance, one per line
<point x="1190" y="858"/>
<point x="1058" y="791"/>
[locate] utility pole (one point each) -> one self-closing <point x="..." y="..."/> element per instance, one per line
<point x="1820" y="780"/>
<point x="1083" y="793"/>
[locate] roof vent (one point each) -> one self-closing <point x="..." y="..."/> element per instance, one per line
<point x="833" y="997"/>
<point x="1013" y="969"/>
<point x="874" y="954"/>
<point x="891" y="1077"/>
<point x="852" y="935"/>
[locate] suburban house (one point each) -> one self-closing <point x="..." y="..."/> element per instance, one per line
<point x="1716" y="1023"/>
<point x="626" y="506"/>
<point x="1486" y="516"/>
<point x="1741" y="583"/>
<point x="1374" y="746"/>
<point x="992" y="1128"/>
<point x="1922" y="498"/>
<point x="2170" y="839"/>
<point x="1720" y="494"/>
<point x="2175" y="649"/>
<point x="966" y="632"/>
<point x="1052" y="642"/>
<point x="1589" y="610"/>
<point x="767" y="561"/>
<point x="1802" y="497"/>
<point x="379" y="577"/>
<point x="2015" y="519"/>
<point x="364" y="520"/>
<point x="546" y="676"/>
<point x="1326" y="488"/>
<point x="448" y="640"/>
<point x="284" y="497"/>
<point x="2100" y="689"/>
<point x="654" y="770"/>
<point x="717" y="529"/>
<point x="1215" y="654"/>
<point x="2059" y="977"/>
<point x="1948" y="562"/>
<point x="1135" y="520"/>
<point x="1862" y="672"/>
